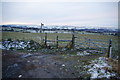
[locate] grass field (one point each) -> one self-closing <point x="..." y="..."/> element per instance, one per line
<point x="52" y="36"/>
<point x="36" y="36"/>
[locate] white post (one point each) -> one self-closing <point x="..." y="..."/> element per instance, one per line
<point x="110" y="52"/>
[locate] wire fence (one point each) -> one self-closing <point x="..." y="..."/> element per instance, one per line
<point x="74" y="42"/>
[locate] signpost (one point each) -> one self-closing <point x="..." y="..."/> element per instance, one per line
<point x="41" y="27"/>
<point x="41" y="31"/>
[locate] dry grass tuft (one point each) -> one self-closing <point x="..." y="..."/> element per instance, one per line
<point x="114" y="64"/>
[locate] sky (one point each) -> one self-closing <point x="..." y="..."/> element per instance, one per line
<point x="104" y="14"/>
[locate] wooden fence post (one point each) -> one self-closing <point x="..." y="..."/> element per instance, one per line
<point x="41" y="32"/>
<point x="88" y="43"/>
<point x="45" y="39"/>
<point x="73" y="41"/>
<point x="109" y="54"/>
<point x="119" y="38"/>
<point x="119" y="59"/>
<point x="57" y="41"/>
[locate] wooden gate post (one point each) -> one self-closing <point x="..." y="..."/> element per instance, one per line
<point x="109" y="54"/>
<point x="119" y="58"/>
<point x="73" y="41"/>
<point x="88" y="43"/>
<point x="45" y="39"/>
<point x="118" y="38"/>
<point x="57" y="41"/>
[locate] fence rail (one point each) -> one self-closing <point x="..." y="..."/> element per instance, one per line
<point x="84" y="42"/>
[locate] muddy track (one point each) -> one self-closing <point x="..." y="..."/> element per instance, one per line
<point x="38" y="65"/>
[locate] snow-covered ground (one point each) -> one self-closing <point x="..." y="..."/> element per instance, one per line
<point x="98" y="68"/>
<point x="18" y="44"/>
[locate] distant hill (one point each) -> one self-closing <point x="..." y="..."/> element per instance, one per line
<point x="64" y="27"/>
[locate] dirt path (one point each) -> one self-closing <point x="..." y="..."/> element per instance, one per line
<point x="38" y="65"/>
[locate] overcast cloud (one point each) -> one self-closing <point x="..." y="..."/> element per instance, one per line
<point x="61" y="13"/>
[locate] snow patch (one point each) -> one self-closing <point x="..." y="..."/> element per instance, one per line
<point x="83" y="53"/>
<point x="19" y="44"/>
<point x="63" y="65"/>
<point x="20" y="76"/>
<point x="26" y="55"/>
<point x="96" y="68"/>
